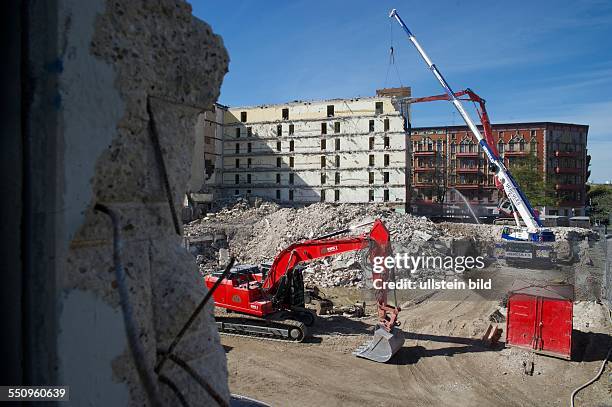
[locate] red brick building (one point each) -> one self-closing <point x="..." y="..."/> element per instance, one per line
<point x="448" y="160"/>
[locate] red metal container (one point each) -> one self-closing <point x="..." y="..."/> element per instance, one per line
<point x="540" y="317"/>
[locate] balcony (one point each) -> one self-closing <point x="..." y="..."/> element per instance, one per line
<point x="562" y="170"/>
<point x="467" y="186"/>
<point x="569" y="187"/>
<point x="424" y="153"/>
<point x="516" y="153"/>
<point x="424" y="169"/>
<point x="468" y="170"/>
<point x="422" y="184"/>
<point x="567" y="154"/>
<point x="467" y="154"/>
<point x="426" y="187"/>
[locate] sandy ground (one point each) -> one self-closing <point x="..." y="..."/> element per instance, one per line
<point x="442" y="362"/>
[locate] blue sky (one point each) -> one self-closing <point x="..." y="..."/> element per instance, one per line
<point x="531" y="60"/>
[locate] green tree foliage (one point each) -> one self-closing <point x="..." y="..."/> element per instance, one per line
<point x="539" y="192"/>
<point x="600" y="199"/>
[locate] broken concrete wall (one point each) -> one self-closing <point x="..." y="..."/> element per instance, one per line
<point x="198" y="168"/>
<point x="119" y="68"/>
<point x="207" y="165"/>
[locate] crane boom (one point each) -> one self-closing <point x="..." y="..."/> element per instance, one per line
<point x="534" y="231"/>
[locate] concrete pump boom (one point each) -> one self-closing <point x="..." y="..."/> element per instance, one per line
<point x="482" y="114"/>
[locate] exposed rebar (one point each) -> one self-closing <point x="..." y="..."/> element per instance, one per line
<point x="134" y="344"/>
<point x="199" y="379"/>
<point x="166" y="380"/>
<point x="161" y="164"/>
<point x="193" y="316"/>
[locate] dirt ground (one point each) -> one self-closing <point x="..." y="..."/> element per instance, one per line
<point x="442" y="362"/>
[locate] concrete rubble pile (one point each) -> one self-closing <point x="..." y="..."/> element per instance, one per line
<point x="257" y="232"/>
<point x="485" y="236"/>
<point x="289" y="225"/>
<point x="240" y="213"/>
<point x="207" y="236"/>
<point x="322" y="274"/>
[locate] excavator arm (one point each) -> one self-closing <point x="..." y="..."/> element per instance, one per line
<point x="306" y="251"/>
<point x="378" y="242"/>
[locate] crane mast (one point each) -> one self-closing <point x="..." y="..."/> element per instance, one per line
<point x="520" y="203"/>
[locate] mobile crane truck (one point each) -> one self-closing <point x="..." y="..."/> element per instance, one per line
<point x="529" y="243"/>
<point x="267" y="301"/>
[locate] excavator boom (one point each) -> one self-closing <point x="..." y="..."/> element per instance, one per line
<point x="309" y="250"/>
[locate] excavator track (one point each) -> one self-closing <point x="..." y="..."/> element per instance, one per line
<point x="273" y="330"/>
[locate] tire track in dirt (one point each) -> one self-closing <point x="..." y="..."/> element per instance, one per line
<point x="427" y="372"/>
<point x="441" y="364"/>
<point x="322" y="377"/>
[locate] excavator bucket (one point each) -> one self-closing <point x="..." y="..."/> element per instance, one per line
<point x="382" y="346"/>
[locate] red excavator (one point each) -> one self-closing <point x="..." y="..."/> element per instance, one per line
<point x="269" y="299"/>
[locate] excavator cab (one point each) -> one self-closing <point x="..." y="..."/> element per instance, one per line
<point x="290" y="292"/>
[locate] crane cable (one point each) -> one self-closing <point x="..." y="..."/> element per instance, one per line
<point x="392" y="57"/>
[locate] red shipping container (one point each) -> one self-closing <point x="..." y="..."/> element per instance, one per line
<point x="540" y="317"/>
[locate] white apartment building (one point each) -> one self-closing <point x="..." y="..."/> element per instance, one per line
<point x="339" y="150"/>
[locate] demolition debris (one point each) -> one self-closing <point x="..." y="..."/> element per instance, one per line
<point x="256" y="232"/>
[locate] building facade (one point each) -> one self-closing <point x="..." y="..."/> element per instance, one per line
<point x="340" y="150"/>
<point x="207" y="163"/>
<point x="449" y="164"/>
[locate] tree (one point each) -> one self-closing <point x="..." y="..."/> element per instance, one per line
<point x="531" y="181"/>
<point x="600" y="202"/>
<point x="439" y="180"/>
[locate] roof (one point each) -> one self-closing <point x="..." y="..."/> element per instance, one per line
<point x="386" y="94"/>
<point x="543" y="289"/>
<point x="522" y="124"/>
